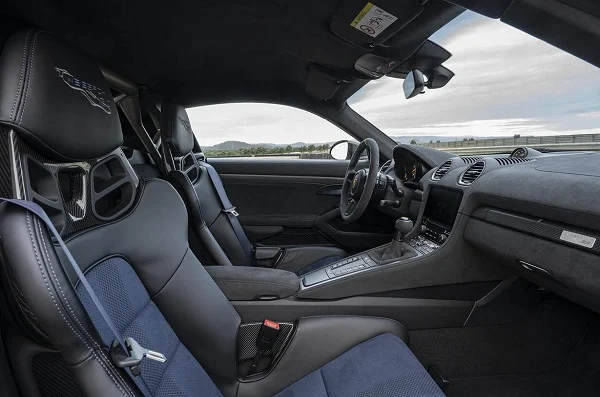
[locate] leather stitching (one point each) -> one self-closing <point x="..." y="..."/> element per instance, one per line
<point x="67" y="303"/>
<point x="29" y="73"/>
<point x="19" y="86"/>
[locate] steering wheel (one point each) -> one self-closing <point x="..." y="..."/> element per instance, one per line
<point x="359" y="185"/>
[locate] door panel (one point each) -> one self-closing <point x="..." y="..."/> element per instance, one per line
<point x="296" y="202"/>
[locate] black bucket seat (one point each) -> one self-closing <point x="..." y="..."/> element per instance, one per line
<point x="59" y="146"/>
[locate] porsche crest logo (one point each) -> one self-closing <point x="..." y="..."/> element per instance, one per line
<point x="354" y="182"/>
<point x="96" y="96"/>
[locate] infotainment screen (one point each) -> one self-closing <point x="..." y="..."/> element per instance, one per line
<point x="442" y="205"/>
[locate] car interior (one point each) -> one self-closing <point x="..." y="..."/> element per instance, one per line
<point x="134" y="264"/>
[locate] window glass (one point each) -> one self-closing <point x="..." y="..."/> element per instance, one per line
<point x="262" y="130"/>
<point x="510" y="89"/>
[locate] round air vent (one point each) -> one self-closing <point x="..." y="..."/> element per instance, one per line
<point x="442" y="170"/>
<point x="472" y="173"/>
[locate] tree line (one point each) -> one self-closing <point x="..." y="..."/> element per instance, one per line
<point x="261" y="150"/>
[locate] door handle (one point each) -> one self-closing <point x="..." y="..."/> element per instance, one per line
<point x="330" y="190"/>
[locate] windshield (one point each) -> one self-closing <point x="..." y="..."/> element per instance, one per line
<point x="510" y="90"/>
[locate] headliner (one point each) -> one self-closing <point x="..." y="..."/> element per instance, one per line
<point x="200" y="51"/>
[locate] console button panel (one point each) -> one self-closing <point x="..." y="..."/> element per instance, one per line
<point x="422" y="245"/>
<point x="350" y="265"/>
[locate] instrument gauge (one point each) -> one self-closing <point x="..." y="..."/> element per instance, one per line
<point x="519" y="153"/>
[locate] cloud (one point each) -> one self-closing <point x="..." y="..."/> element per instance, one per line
<point x="260" y="123"/>
<point x="506" y="83"/>
<point x="504" y="78"/>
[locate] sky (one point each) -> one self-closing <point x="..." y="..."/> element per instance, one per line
<point x="506" y="83"/>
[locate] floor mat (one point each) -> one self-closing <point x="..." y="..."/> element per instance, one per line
<point x="539" y="343"/>
<point x="552" y="385"/>
<point x="554" y="351"/>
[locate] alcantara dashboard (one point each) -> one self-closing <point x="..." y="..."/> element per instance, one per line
<point x="537" y="213"/>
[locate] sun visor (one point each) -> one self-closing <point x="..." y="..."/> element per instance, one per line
<point x="369" y="24"/>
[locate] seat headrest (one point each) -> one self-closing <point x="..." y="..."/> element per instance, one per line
<point x="175" y="128"/>
<point x="56" y="98"/>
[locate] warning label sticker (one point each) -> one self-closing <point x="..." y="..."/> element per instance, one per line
<point x="372" y="20"/>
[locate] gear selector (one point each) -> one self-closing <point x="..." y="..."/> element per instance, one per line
<point x="403" y="226"/>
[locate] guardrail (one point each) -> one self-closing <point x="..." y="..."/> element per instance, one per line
<point x="587" y="142"/>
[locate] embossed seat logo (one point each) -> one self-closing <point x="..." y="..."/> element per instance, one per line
<point x="95" y="95"/>
<point x="186" y="124"/>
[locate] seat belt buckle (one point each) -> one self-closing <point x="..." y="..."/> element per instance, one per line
<point x="134" y="355"/>
<point x="267" y="336"/>
<point x="231" y="211"/>
<point x="269" y="330"/>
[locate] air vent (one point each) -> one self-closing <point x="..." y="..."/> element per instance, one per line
<point x="510" y="160"/>
<point x="470" y="159"/>
<point x="442" y="170"/>
<point x="472" y="173"/>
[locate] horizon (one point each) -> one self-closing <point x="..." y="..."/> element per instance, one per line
<point x="515" y="86"/>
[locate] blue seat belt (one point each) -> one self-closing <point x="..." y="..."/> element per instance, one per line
<point x="231" y="213"/>
<point x="135" y="353"/>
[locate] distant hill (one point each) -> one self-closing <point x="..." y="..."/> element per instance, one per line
<point x="236" y="145"/>
<point x="435" y="138"/>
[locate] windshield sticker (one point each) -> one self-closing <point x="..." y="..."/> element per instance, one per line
<point x="372" y="20"/>
<point x="579" y="239"/>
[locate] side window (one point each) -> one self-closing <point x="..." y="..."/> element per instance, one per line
<point x="263" y="130"/>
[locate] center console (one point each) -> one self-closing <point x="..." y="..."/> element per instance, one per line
<point x="438" y="219"/>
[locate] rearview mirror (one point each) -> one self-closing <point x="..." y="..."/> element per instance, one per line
<point x="414" y="83"/>
<point x="343" y="150"/>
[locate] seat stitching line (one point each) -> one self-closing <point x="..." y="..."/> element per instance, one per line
<point x="179" y="344"/>
<point x="77" y="320"/>
<point x="323" y="380"/>
<point x="30" y="72"/>
<point x="35" y="250"/>
<point x="21" y="73"/>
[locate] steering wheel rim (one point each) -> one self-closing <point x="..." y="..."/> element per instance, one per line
<point x="358" y="186"/>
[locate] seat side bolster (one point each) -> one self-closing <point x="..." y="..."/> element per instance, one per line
<point x="317" y="341"/>
<point x="44" y="287"/>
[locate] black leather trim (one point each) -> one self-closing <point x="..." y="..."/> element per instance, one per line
<point x="244" y="283"/>
<point x="317" y="341"/>
<point x="185" y="188"/>
<point x="153" y="238"/>
<point x="49" y="293"/>
<point x="176" y="128"/>
<point x="56" y="98"/>
<point x="204" y="320"/>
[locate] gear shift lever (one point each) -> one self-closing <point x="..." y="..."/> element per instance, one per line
<point x="403" y="227"/>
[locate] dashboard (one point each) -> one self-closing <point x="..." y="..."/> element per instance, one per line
<point x="534" y="213"/>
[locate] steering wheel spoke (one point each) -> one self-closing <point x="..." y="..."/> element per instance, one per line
<point x="351" y="206"/>
<point x="354" y="200"/>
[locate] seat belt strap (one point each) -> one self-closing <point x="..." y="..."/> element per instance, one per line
<point x="231" y="213"/>
<point x="125" y="344"/>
